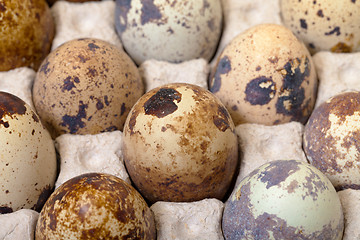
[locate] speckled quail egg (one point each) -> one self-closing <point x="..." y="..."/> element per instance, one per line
<point x="265" y="75"/>
<point x="324" y="25"/>
<point x="28" y="165"/>
<point x="332" y="139"/>
<point x="86" y="86"/>
<point x="284" y="199"/>
<point x="95" y="206"/>
<point x="179" y="144"/>
<point x="172" y="31"/>
<point x="26" y="32"/>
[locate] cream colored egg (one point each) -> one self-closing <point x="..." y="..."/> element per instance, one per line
<point x="284" y="199"/>
<point x="332" y="139"/>
<point x="324" y="25"/>
<point x="266" y="75"/>
<point x="28" y="165"/>
<point x="179" y="144"/>
<point x="172" y="31"/>
<point x="95" y="206"/>
<point x="86" y="86"/>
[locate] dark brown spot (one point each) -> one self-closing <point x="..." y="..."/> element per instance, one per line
<point x="82" y="58"/>
<point x="121" y="11"/>
<point x="162" y="103"/>
<point x="336" y="31"/>
<point x="258" y="68"/>
<point x="2" y="7"/>
<point x="93" y="47"/>
<point x="341" y="48"/>
<point x="74" y="123"/>
<point x="353" y="1"/>
<point x="211" y="25"/>
<point x="123" y="109"/>
<point x="292" y="95"/>
<point x="45" y="194"/>
<point x="260" y="91"/>
<point x="10" y="105"/>
<point x="92" y="72"/>
<point x="4" y="210"/>
<point x="35" y="117"/>
<point x="223" y="67"/>
<point x="278" y="172"/>
<point x="273" y="59"/>
<point x="320" y="13"/>
<point x="68" y="84"/>
<point x="99" y="105"/>
<point x="303" y="23"/>
<point x="44" y="67"/>
<point x="149" y="12"/>
<point x="222" y="119"/>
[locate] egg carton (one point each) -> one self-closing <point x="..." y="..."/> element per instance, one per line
<point x="259" y="144"/>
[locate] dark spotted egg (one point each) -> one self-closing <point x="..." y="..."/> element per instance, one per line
<point x="332" y="139"/>
<point x="28" y="167"/>
<point x="265" y="75"/>
<point x="284" y="199"/>
<point x="179" y="144"/>
<point x="86" y="86"/>
<point x="324" y="25"/>
<point x="95" y="206"/>
<point x="172" y="31"/>
<point x="27" y="29"/>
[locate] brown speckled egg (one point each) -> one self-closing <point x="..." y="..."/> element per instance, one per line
<point x="284" y="199"/>
<point x="28" y="166"/>
<point x="332" y="139"/>
<point x="265" y="75"/>
<point x="86" y="86"/>
<point x="95" y="206"/>
<point x="324" y="25"/>
<point x="172" y="31"/>
<point x="26" y="32"/>
<point x="179" y="144"/>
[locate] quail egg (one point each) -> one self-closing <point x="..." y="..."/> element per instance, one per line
<point x="324" y="25"/>
<point x="173" y="31"/>
<point x="95" y="206"/>
<point x="179" y="144"/>
<point x="26" y="32"/>
<point x="265" y="75"/>
<point x="332" y="139"/>
<point x="28" y="166"/>
<point x="284" y="199"/>
<point x="86" y="86"/>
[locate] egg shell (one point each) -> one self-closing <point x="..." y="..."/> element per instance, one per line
<point x="285" y="199"/>
<point x="172" y="31"/>
<point x="26" y="31"/>
<point x="86" y="86"/>
<point x="265" y="75"/>
<point x="324" y="25"/>
<point x="332" y="139"/>
<point x="179" y="144"/>
<point x="28" y="165"/>
<point x="95" y="206"/>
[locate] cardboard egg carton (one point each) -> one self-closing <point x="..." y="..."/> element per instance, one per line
<point x="259" y="144"/>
